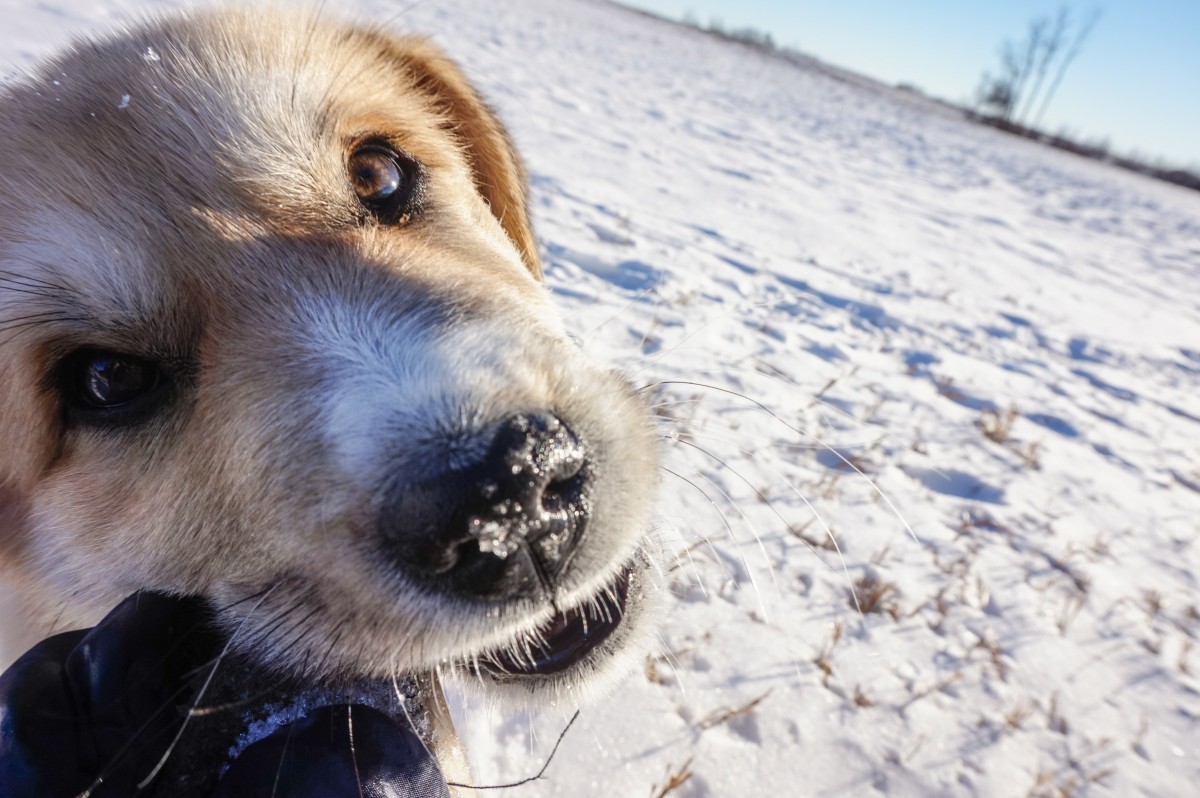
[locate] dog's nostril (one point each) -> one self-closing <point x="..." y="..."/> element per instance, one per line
<point x="532" y="494"/>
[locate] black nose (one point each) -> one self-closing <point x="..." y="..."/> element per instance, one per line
<point x="502" y="527"/>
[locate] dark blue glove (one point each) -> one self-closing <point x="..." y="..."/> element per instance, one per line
<point x="98" y="710"/>
<point x="337" y="752"/>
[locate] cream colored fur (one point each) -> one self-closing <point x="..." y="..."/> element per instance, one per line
<point x="179" y="191"/>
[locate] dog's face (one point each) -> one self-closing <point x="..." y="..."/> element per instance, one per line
<point x="272" y="332"/>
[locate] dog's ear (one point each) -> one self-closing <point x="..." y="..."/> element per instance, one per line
<point x="498" y="171"/>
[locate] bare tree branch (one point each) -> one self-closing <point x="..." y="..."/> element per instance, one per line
<point x="1028" y="50"/>
<point x="1080" y="38"/>
<point x="1051" y="44"/>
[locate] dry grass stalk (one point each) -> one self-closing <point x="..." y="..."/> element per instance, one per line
<point x="997" y="426"/>
<point x="823" y="659"/>
<point x="674" y="781"/>
<point x="720" y="716"/>
<point x="936" y="687"/>
<point x="875" y="595"/>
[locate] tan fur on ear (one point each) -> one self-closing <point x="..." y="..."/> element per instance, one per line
<point x="498" y="171"/>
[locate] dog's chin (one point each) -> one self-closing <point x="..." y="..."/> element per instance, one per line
<point x="579" y="653"/>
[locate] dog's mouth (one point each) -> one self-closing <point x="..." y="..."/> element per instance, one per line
<point x="568" y="638"/>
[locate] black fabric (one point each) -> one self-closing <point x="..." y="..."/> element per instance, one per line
<point x="98" y="709"/>
<point x="337" y="751"/>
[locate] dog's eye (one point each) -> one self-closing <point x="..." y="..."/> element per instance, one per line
<point x="386" y="183"/>
<point x="110" y="379"/>
<point x="105" y="387"/>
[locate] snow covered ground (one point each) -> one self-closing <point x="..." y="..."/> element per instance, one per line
<point x="929" y="400"/>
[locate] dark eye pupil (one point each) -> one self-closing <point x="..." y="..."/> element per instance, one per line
<point x="111" y="381"/>
<point x="375" y="176"/>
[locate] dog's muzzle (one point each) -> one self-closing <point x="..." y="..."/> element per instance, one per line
<point x="503" y="527"/>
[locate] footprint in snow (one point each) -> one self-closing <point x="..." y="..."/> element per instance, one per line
<point x="950" y="482"/>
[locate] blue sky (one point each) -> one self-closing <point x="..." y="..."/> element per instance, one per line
<point x="1135" y="83"/>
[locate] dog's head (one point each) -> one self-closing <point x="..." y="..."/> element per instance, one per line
<point x="272" y="332"/>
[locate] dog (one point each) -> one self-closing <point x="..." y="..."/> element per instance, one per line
<point x="273" y="333"/>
